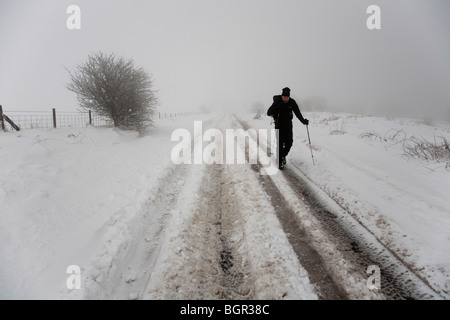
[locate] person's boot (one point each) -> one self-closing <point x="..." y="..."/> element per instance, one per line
<point x="282" y="163"/>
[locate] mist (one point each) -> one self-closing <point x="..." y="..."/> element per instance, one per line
<point x="229" y="55"/>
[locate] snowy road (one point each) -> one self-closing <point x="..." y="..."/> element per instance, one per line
<point x="228" y="232"/>
<point x="158" y="230"/>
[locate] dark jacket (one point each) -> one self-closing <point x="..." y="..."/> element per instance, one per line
<point x="282" y="112"/>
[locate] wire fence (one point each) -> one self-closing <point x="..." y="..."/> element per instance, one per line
<point x="30" y="120"/>
<point x="22" y="120"/>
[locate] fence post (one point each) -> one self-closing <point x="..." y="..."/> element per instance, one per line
<point x="90" y="117"/>
<point x="54" y="118"/>
<point x="1" y="118"/>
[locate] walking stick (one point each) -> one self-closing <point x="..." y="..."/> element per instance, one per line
<point x="307" y="130"/>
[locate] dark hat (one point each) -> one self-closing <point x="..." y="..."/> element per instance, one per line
<point x="286" y="92"/>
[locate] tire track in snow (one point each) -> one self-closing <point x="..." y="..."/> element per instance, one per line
<point x="200" y="259"/>
<point x="261" y="240"/>
<point x="309" y="258"/>
<point x="272" y="260"/>
<point x="188" y="267"/>
<point x="234" y="279"/>
<point x="203" y="261"/>
<point x="307" y="255"/>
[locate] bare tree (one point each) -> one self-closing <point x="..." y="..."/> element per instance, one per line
<point x="258" y="108"/>
<point x="113" y="88"/>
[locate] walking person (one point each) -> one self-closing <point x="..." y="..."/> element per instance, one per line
<point x="282" y="110"/>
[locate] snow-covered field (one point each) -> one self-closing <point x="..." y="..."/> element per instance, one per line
<point x="139" y="227"/>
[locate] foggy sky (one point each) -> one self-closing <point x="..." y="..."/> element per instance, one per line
<point x="229" y="54"/>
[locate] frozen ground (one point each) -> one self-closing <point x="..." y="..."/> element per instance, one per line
<point x="140" y="227"/>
